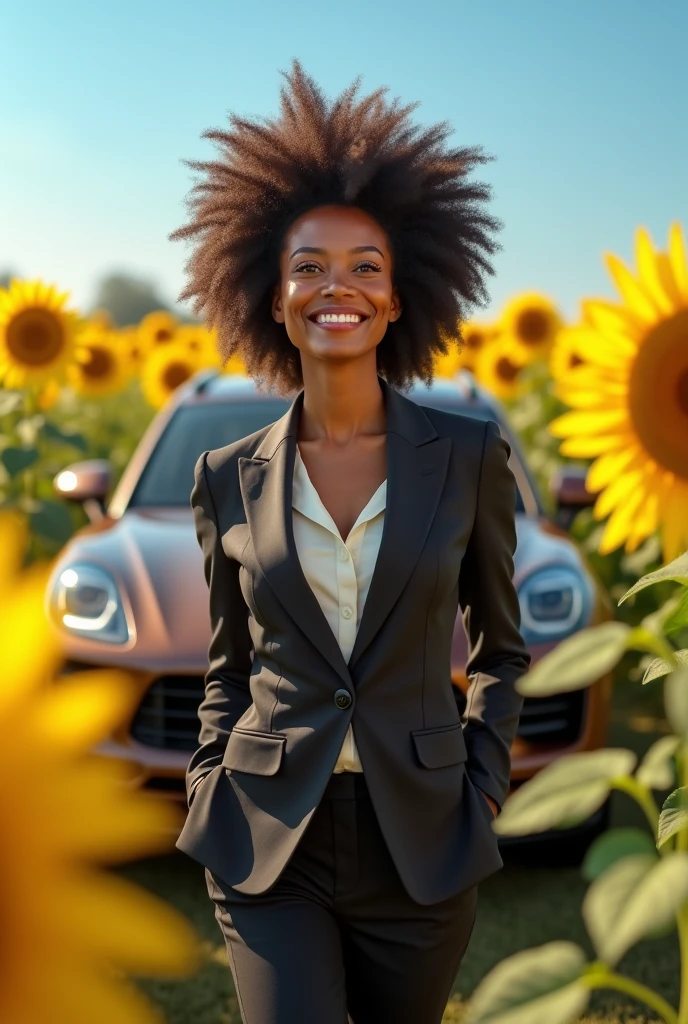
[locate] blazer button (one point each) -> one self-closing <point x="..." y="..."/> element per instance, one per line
<point x="342" y="699"/>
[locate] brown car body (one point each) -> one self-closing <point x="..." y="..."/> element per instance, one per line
<point x="145" y="542"/>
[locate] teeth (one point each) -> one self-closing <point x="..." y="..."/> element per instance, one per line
<point x="338" y="318"/>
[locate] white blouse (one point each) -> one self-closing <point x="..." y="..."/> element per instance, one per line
<point x="338" y="571"/>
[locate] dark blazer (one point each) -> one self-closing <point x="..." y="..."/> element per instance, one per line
<point x="272" y="725"/>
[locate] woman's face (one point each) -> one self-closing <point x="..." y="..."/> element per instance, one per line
<point x="335" y="296"/>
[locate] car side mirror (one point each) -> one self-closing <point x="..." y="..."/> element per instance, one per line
<point x="570" y="493"/>
<point x="87" y="482"/>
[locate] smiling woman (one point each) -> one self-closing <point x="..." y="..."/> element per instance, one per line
<point x="341" y="805"/>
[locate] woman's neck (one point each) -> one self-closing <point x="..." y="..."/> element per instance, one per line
<point x="341" y="402"/>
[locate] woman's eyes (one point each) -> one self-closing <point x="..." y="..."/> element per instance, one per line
<point x="364" y="264"/>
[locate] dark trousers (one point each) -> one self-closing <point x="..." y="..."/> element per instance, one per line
<point x="338" y="933"/>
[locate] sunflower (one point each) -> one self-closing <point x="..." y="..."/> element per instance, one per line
<point x="37" y="334"/>
<point x="234" y="365"/>
<point x="165" y="369"/>
<point x="631" y="399"/>
<point x="158" y="328"/>
<point x="69" y="930"/>
<point x="201" y="342"/>
<point x="498" y="367"/>
<point x="532" y="322"/>
<point x="565" y="352"/>
<point x="99" y="368"/>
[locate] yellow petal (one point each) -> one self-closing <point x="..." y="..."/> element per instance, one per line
<point x="14" y="535"/>
<point x="589" y="422"/>
<point x="675" y="522"/>
<point x="109" y="917"/>
<point x="617" y="492"/>
<point x="608" y="467"/>
<point x="608" y="352"/>
<point x="668" y="280"/>
<point x="677" y="258"/>
<point x="644" y="523"/>
<point x="631" y="291"/>
<point x="649" y="275"/>
<point x="85" y="709"/>
<point x="619" y="523"/>
<point x="590" y="447"/>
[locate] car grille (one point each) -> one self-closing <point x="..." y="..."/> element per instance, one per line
<point x="555" y="719"/>
<point x="168" y="715"/>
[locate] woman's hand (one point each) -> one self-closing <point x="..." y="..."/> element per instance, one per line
<point x="491" y="803"/>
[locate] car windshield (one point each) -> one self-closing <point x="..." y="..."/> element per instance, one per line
<point x="167" y="478"/>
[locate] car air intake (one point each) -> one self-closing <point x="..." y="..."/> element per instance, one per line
<point x="555" y="719"/>
<point x="167" y="716"/>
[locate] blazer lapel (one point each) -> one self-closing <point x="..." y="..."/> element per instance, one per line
<point x="266" y="490"/>
<point x="417" y="461"/>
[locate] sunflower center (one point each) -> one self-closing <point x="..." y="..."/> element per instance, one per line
<point x="163" y="335"/>
<point x="574" y="360"/>
<point x="474" y="339"/>
<point x="532" y="327"/>
<point x="35" y="337"/>
<point x="658" y="393"/>
<point x="175" y="374"/>
<point x="99" y="363"/>
<point x="506" y="370"/>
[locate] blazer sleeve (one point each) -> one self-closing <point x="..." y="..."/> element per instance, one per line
<point x="497" y="655"/>
<point x="227" y="693"/>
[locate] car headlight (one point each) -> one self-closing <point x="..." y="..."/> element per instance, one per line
<point x="554" y="601"/>
<point x="85" y="600"/>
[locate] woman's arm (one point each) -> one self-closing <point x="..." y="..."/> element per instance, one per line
<point x="227" y="693"/>
<point x="497" y="655"/>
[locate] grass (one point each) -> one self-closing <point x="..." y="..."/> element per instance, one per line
<point x="518" y="907"/>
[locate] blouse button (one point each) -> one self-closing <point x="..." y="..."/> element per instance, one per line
<point x="346" y="612"/>
<point x="343" y="554"/>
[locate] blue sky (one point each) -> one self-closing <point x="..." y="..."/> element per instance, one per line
<point x="582" y="104"/>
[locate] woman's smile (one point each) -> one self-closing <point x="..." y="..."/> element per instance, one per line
<point x="338" y="318"/>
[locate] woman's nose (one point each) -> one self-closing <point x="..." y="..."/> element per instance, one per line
<point x="338" y="285"/>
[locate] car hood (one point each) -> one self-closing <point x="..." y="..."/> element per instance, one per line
<point x="155" y="559"/>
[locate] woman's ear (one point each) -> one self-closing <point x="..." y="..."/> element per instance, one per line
<point x="395" y="306"/>
<point x="277" y="311"/>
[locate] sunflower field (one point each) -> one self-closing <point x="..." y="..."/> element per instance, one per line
<point x="609" y="391"/>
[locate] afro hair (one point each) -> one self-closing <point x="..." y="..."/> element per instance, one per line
<point x="363" y="152"/>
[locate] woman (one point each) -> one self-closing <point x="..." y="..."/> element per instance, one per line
<point x="339" y="801"/>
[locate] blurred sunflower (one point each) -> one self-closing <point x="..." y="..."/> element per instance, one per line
<point x="37" y="334"/>
<point x="201" y="342"/>
<point x="70" y="931"/>
<point x="565" y="352"/>
<point x="158" y="328"/>
<point x="131" y="347"/>
<point x="631" y="399"/>
<point x="234" y="365"/>
<point x="449" y="363"/>
<point x="498" y="367"/>
<point x="475" y="337"/>
<point x="165" y="369"/>
<point x="49" y="395"/>
<point x="99" y="368"/>
<point x="531" y="320"/>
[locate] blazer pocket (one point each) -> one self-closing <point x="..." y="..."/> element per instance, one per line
<point x="440" y="747"/>
<point x="258" y="753"/>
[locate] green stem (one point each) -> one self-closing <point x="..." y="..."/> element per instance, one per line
<point x="642" y="795"/>
<point x="602" y="977"/>
<point x="682" y="916"/>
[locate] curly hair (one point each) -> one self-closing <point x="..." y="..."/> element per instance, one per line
<point x="363" y="152"/>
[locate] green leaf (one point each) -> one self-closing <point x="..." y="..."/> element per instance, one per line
<point x="676" y="700"/>
<point x="55" y="433"/>
<point x="536" y="986"/>
<point x="577" y="661"/>
<point x="637" y="896"/>
<point x="53" y="521"/>
<point x="678" y="619"/>
<point x="676" y="570"/>
<point x="613" y="846"/>
<point x="10" y="401"/>
<point x="16" y="460"/>
<point x="674" y="815"/>
<point x="657" y="767"/>
<point x="564" y="793"/>
<point x="659" y="667"/>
